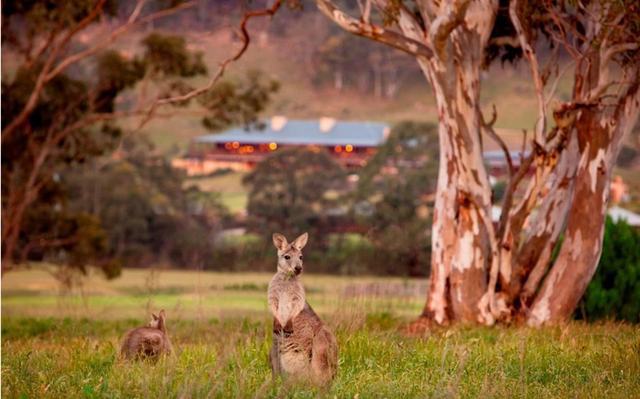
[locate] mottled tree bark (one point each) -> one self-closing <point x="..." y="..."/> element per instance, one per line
<point x="460" y="244"/>
<point x="532" y="261"/>
<point x="599" y="136"/>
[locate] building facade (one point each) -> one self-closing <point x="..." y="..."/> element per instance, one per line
<point x="351" y="144"/>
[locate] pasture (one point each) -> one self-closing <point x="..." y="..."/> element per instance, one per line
<point x="58" y="344"/>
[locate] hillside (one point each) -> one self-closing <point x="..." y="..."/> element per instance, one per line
<point x="291" y="57"/>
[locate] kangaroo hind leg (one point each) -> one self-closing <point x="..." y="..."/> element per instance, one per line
<point x="274" y="359"/>
<point x="324" y="358"/>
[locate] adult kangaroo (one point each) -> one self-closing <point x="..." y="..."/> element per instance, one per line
<point x="303" y="347"/>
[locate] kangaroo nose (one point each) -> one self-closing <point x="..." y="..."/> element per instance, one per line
<point x="298" y="269"/>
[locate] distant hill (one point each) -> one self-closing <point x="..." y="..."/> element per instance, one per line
<point x="287" y="47"/>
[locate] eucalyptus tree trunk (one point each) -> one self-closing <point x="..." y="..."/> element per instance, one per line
<point x="460" y="245"/>
<point x="601" y="127"/>
<point x="461" y="249"/>
<point x="533" y="260"/>
<point x="600" y="135"/>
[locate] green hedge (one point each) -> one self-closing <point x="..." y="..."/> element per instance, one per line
<point x="614" y="291"/>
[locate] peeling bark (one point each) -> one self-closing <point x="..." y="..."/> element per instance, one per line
<point x="599" y="137"/>
<point x="532" y="261"/>
<point x="461" y="250"/>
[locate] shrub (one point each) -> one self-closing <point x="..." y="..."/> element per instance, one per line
<point x="614" y="291"/>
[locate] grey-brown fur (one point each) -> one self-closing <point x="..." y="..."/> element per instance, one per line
<point x="150" y="341"/>
<point x="303" y="347"/>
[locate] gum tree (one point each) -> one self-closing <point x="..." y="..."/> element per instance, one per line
<point x="479" y="273"/>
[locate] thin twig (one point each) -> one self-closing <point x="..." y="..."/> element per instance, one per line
<point x="221" y="69"/>
<point x="488" y="128"/>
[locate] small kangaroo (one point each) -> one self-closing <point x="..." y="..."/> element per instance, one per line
<point x="303" y="347"/>
<point x="149" y="341"/>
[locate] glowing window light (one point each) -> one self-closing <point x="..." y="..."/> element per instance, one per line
<point x="348" y="148"/>
<point x="249" y="149"/>
<point x="273" y="146"/>
<point x="227" y="146"/>
<point x="337" y="148"/>
<point x="235" y="145"/>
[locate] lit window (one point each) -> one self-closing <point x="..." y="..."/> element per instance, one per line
<point x="227" y="146"/>
<point x="348" y="147"/>
<point x="273" y="146"/>
<point x="235" y="145"/>
<point x="249" y="149"/>
<point x="337" y="148"/>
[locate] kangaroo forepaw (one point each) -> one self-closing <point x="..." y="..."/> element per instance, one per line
<point x="288" y="328"/>
<point x="277" y="327"/>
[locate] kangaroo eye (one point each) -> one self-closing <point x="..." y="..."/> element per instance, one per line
<point x="287" y="257"/>
<point x="300" y="257"/>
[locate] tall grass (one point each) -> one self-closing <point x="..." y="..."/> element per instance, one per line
<point x="55" y="358"/>
<point x="222" y="334"/>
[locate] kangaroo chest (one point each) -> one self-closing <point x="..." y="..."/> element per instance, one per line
<point x="291" y="299"/>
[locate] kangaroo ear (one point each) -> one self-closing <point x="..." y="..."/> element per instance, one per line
<point x="301" y="241"/>
<point x="160" y="325"/>
<point x="153" y="315"/>
<point x="280" y="241"/>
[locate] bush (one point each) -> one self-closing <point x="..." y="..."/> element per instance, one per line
<point x="614" y="291"/>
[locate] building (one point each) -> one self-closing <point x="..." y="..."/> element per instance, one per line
<point x="497" y="165"/>
<point x="350" y="143"/>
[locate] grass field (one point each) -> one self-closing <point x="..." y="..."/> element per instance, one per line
<point x="63" y="346"/>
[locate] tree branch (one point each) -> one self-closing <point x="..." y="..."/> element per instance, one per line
<point x="603" y="83"/>
<point x="556" y="82"/>
<point x="528" y="51"/>
<point x="221" y="69"/>
<point x="372" y="31"/>
<point x="131" y="23"/>
<point x="443" y="25"/>
<point x="488" y="128"/>
<point x="42" y="77"/>
<point x="365" y="11"/>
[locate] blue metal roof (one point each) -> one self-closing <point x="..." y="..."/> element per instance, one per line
<point x="300" y="132"/>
